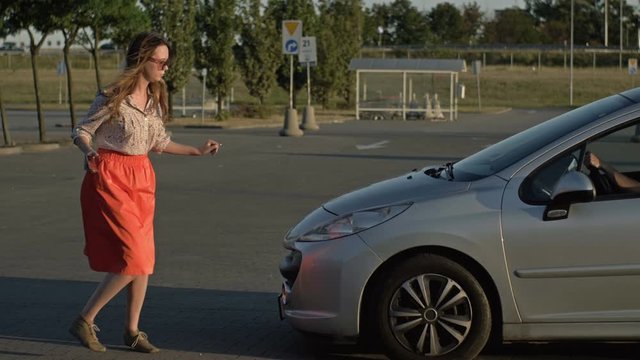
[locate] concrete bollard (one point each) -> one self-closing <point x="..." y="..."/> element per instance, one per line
<point x="309" y="119"/>
<point x="291" y="127"/>
<point x="437" y="110"/>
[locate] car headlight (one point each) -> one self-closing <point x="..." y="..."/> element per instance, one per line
<point x="354" y="223"/>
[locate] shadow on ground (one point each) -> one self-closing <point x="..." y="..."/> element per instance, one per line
<point x="241" y="323"/>
<point x="236" y="323"/>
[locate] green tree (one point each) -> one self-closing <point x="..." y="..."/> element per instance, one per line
<point x="401" y="24"/>
<point x="472" y="22"/>
<point x="3" y="32"/>
<point x="446" y="23"/>
<point x="326" y="76"/>
<point x="131" y="21"/>
<point x="176" y="20"/>
<point x="72" y="18"/>
<point x="34" y="16"/>
<point x="339" y="40"/>
<point x="104" y="19"/>
<point x="553" y="19"/>
<point x="407" y="25"/>
<point x="512" y="26"/>
<point x="303" y="10"/>
<point x="214" y="48"/>
<point x="258" y="54"/>
<point x="348" y="26"/>
<point x="377" y="18"/>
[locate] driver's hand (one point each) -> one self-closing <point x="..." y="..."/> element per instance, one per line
<point x="591" y="160"/>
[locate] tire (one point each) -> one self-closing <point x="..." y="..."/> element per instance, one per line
<point x="405" y="328"/>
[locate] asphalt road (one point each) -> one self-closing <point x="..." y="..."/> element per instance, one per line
<point x="219" y="227"/>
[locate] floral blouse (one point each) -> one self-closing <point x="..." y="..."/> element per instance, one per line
<point x="135" y="132"/>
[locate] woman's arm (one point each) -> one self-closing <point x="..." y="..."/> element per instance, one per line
<point x="209" y="147"/>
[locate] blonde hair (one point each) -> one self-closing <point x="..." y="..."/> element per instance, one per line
<point x="140" y="50"/>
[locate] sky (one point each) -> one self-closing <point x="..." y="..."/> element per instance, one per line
<point x="485" y="5"/>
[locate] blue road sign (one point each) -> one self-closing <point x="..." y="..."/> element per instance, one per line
<point x="292" y="46"/>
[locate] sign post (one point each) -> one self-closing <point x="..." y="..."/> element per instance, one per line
<point x="475" y="68"/>
<point x="291" y="42"/>
<point x="308" y="56"/>
<point x="204" y="91"/>
<point x="61" y="70"/>
<point x="291" y="39"/>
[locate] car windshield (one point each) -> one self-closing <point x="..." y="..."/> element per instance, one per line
<point x="507" y="152"/>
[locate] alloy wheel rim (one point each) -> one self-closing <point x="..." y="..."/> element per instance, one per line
<point x="430" y="314"/>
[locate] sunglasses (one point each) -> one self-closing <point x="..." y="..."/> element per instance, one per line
<point x="161" y="63"/>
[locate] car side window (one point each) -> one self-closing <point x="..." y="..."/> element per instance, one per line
<point x="619" y="151"/>
<point x="538" y="187"/>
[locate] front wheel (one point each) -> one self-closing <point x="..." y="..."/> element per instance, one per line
<point x="431" y="307"/>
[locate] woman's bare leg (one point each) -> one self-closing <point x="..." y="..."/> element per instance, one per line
<point x="108" y="288"/>
<point x="136" y="292"/>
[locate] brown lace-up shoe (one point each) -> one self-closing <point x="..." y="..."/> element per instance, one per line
<point x="86" y="333"/>
<point x="139" y="342"/>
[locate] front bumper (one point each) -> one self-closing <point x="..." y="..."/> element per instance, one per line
<point x="325" y="295"/>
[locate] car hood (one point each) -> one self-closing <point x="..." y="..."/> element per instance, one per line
<point x="411" y="187"/>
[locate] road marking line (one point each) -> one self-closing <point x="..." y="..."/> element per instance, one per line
<point x="377" y="145"/>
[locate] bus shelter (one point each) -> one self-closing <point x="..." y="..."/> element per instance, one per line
<point x="407" y="88"/>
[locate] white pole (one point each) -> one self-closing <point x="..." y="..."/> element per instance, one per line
<point x="357" y="94"/>
<point x="621" y="1"/>
<point x="204" y="89"/>
<point x="410" y="90"/>
<point x="364" y="91"/>
<point x="184" y="100"/>
<point x="479" y="98"/>
<point x="451" y="96"/>
<point x="308" y="86"/>
<point x="404" y="97"/>
<point x="571" y="61"/>
<point x="59" y="90"/>
<point x="606" y="23"/>
<point x="291" y="82"/>
<point x="66" y="87"/>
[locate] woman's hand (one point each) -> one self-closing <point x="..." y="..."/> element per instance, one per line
<point x="210" y="147"/>
<point x="92" y="160"/>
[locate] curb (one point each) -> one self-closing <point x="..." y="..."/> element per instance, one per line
<point x="35" y="148"/>
<point x="32" y="148"/>
<point x="10" y="150"/>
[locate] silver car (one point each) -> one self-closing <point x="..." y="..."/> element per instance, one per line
<point x="521" y="241"/>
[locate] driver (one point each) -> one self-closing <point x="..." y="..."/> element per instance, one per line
<point x="623" y="181"/>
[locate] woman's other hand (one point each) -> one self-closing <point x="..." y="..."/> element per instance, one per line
<point x="92" y="160"/>
<point x="210" y="147"/>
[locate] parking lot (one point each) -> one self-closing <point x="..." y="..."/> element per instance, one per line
<point x="219" y="228"/>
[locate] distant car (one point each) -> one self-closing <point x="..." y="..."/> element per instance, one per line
<point x="11" y="47"/>
<point x="108" y="46"/>
<point x="518" y="242"/>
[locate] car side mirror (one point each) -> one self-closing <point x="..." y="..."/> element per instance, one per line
<point x="573" y="187"/>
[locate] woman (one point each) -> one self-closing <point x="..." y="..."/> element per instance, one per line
<point x="124" y="123"/>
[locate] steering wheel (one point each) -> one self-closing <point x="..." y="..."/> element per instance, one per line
<point x="602" y="181"/>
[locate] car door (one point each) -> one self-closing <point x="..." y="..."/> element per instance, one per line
<point x="585" y="268"/>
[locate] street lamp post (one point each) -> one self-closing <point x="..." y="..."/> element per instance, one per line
<point x="380" y="32"/>
<point x="606" y="23"/>
<point x="620" y="14"/>
<point x="571" y="60"/>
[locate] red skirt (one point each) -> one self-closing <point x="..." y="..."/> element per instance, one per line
<point x="118" y="205"/>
